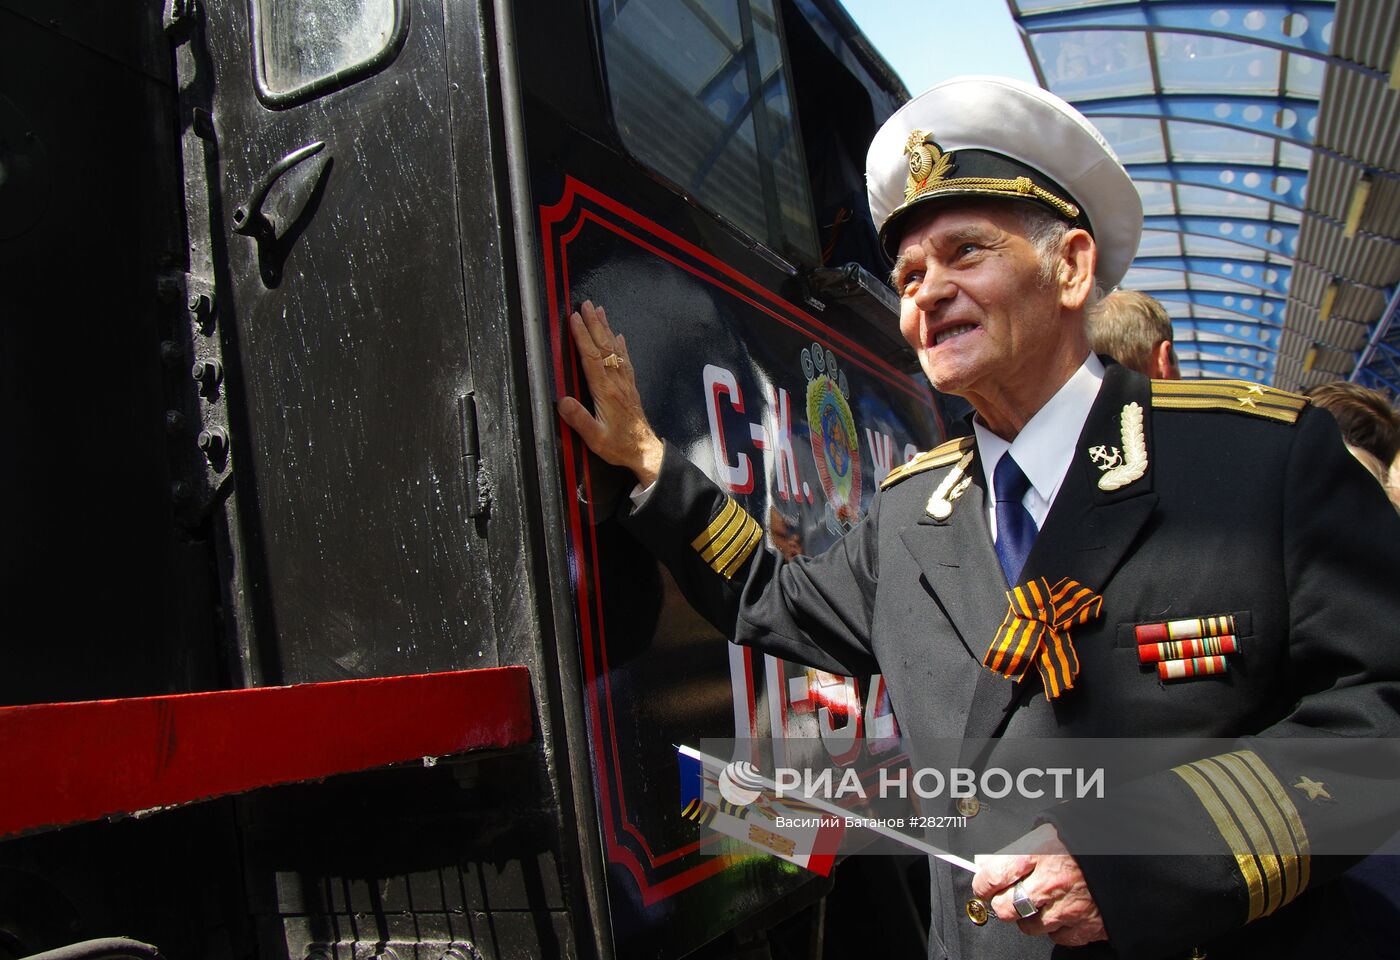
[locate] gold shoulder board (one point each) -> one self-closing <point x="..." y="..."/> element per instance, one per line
<point x="939" y="456"/>
<point x="1240" y="396"/>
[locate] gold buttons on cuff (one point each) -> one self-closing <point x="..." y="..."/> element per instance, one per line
<point x="977" y="912"/>
<point x="969" y="806"/>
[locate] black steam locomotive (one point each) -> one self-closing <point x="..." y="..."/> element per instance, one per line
<point x="320" y="638"/>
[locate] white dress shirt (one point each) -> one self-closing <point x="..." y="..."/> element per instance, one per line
<point x="1045" y="446"/>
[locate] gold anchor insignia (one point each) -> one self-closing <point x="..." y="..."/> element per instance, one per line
<point x="927" y="163"/>
<point x="1121" y="469"/>
<point x="1105" y="457"/>
<point x="1313" y="788"/>
<point x="940" y="505"/>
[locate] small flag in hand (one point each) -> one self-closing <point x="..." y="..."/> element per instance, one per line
<point x="736" y="800"/>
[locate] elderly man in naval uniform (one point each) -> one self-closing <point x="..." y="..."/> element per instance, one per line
<point x="1227" y="568"/>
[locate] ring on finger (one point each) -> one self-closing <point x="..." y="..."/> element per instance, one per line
<point x="613" y="361"/>
<point x="1021" y="902"/>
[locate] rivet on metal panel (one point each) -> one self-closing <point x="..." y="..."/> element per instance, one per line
<point x="202" y="312"/>
<point x="208" y="372"/>
<point x="213" y="442"/>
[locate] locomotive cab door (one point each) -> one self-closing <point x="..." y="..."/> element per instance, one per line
<point x="351" y="253"/>
<point x="333" y="263"/>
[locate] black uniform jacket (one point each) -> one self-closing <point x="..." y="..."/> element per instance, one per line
<point x="1249" y="506"/>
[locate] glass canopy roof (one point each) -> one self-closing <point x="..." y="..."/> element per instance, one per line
<point x="1213" y="109"/>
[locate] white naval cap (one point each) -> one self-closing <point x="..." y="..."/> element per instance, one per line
<point x="997" y="137"/>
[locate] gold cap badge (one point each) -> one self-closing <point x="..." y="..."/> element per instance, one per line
<point x="927" y="163"/>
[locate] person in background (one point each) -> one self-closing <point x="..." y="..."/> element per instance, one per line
<point x="1134" y="329"/>
<point x="1370" y="427"/>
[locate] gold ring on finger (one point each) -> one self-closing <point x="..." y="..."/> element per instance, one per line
<point x="613" y="361"/>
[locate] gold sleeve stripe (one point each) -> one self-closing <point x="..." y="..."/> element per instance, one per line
<point x="1259" y="822"/>
<point x="716" y="527"/>
<point x="744" y="545"/>
<point x="1290" y="813"/>
<point x="940" y="456"/>
<point x="1230" y="833"/>
<point x="1284" y="840"/>
<point x="701" y="812"/>
<point x="1254" y="829"/>
<point x="729" y="540"/>
<point x="725" y="540"/>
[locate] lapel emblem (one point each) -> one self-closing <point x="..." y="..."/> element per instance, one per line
<point x="954" y="485"/>
<point x="1122" y="467"/>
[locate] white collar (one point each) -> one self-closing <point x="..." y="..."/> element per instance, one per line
<point x="1045" y="445"/>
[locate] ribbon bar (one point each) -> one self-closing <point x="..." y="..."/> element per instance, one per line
<point x="1186" y="649"/>
<point x="1192" y="629"/>
<point x="1036" y="630"/>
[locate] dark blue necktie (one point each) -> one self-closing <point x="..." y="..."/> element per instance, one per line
<point x="1015" y="528"/>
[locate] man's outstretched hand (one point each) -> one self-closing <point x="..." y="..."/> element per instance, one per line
<point x="617" y="430"/>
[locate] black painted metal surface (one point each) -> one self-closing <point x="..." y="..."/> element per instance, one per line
<point x="324" y="404"/>
<point x="350" y="326"/>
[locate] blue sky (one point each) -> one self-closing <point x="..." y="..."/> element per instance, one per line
<point x="931" y="40"/>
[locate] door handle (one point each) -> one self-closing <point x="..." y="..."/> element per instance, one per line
<point x="250" y="219"/>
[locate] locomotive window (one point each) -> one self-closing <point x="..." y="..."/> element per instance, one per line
<point x="701" y="94"/>
<point x="302" y="47"/>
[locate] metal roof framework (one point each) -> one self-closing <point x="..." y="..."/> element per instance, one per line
<point x="1264" y="139"/>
